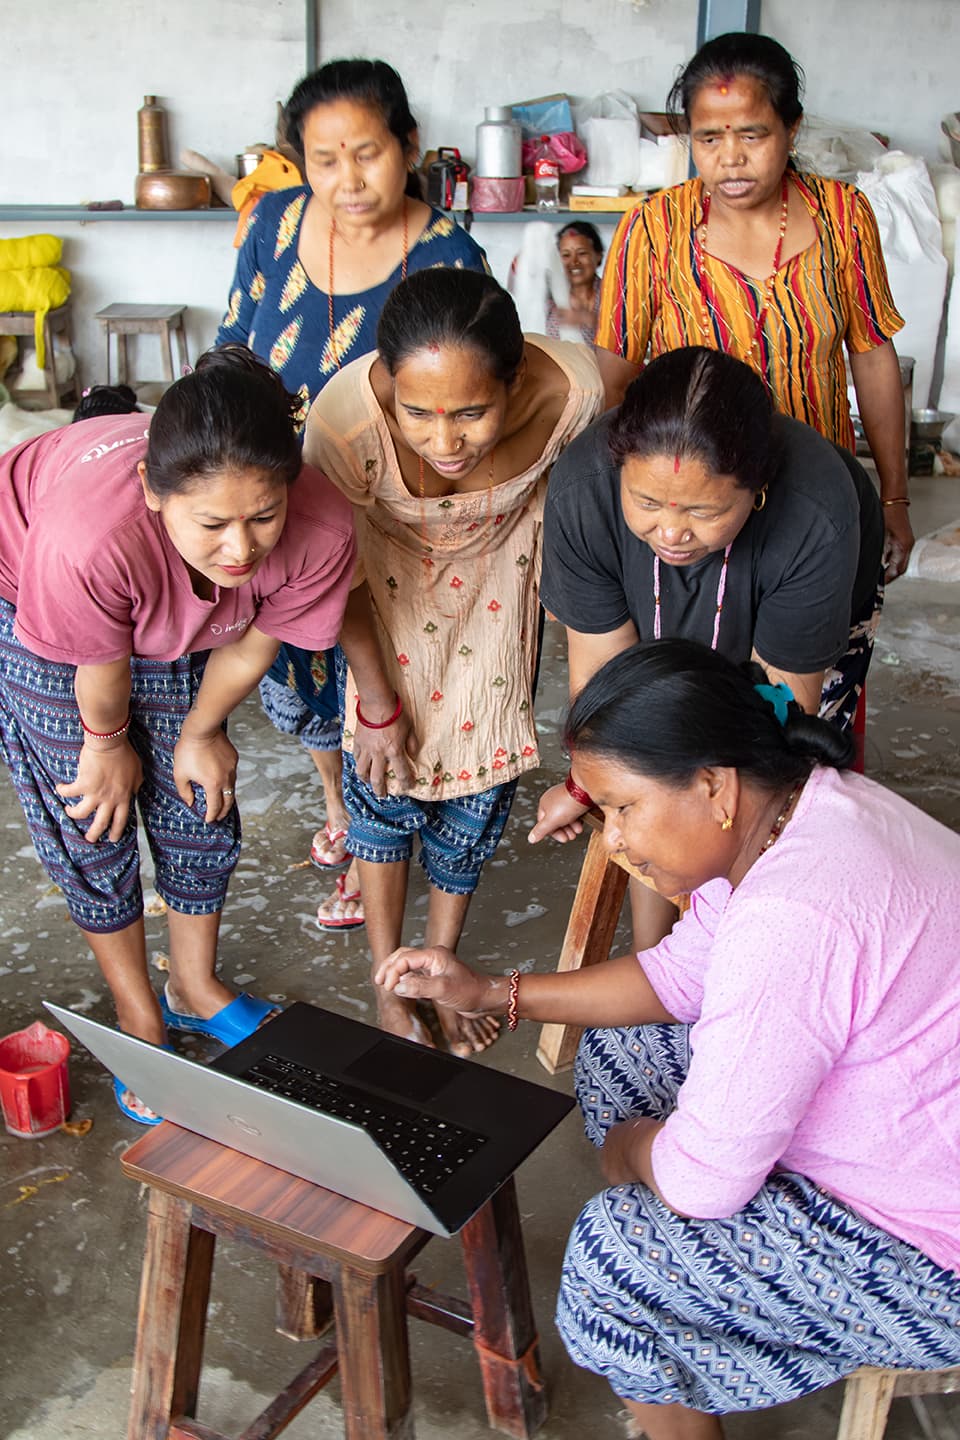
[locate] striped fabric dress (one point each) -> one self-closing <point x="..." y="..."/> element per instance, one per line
<point x="661" y="291"/>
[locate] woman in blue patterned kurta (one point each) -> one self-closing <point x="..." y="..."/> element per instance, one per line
<point x="315" y="267"/>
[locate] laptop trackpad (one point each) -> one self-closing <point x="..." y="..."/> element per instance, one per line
<point x="416" y="1073"/>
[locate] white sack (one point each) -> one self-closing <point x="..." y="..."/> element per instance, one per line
<point x="902" y="196"/>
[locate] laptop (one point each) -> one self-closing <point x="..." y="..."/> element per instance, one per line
<point x="419" y="1134"/>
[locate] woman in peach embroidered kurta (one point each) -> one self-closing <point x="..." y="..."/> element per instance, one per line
<point x="443" y="443"/>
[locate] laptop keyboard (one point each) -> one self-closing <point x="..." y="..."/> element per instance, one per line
<point x="426" y="1151"/>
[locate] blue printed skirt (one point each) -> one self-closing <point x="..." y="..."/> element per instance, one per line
<point x="787" y="1296"/>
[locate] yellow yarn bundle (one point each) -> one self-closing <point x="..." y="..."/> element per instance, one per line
<point x="32" y="278"/>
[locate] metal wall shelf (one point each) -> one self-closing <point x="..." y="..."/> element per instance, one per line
<point x="468" y="218"/>
<point x="465" y="217"/>
<point x="53" y="213"/>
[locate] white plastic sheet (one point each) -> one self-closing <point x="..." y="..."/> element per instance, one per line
<point x="902" y="196"/>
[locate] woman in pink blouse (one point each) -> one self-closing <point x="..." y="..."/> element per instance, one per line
<point x="779" y="1118"/>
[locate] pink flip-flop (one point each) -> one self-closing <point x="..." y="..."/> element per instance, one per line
<point x="326" y="843"/>
<point x="344" y="922"/>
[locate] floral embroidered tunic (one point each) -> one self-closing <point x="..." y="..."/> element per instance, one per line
<point x="833" y="293"/>
<point x="277" y="311"/>
<point x="453" y="580"/>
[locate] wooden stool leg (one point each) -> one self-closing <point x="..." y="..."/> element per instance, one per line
<point x="866" y="1404"/>
<point x="166" y="351"/>
<point x="504" y="1333"/>
<point x="174" y="1290"/>
<point x="590" y="931"/>
<point x="50" y="365"/>
<point x="304" y="1307"/>
<point x="121" y="359"/>
<point x="182" y="354"/>
<point x="374" y="1354"/>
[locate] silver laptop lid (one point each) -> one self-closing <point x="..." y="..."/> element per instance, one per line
<point x="332" y="1153"/>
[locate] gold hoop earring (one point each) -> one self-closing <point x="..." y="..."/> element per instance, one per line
<point x="726" y="823"/>
<point x="760" y="499"/>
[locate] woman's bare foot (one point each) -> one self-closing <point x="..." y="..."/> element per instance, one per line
<point x="399" y="1017"/>
<point x="466" y="1037"/>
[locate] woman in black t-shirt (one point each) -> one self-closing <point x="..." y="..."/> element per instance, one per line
<point x="695" y="511"/>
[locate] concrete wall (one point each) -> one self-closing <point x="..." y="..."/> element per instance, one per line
<point x="76" y="75"/>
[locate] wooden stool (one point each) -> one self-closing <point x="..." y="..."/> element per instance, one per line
<point x="55" y="322"/>
<point x="335" y="1257"/>
<point x="868" y="1393"/>
<point x="590" y="930"/>
<point x="163" y="320"/>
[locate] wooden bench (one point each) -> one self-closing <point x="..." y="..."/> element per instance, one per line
<point x="868" y="1394"/>
<point x="338" y="1260"/>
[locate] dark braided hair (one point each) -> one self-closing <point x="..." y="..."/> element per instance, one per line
<point x="106" y="400"/>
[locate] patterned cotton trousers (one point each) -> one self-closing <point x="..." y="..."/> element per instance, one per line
<point x="40" y="740"/>
<point x="788" y="1295"/>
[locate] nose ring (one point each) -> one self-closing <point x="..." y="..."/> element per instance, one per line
<point x="362" y="185"/>
<point x="460" y="443"/>
<point x="253" y="549"/>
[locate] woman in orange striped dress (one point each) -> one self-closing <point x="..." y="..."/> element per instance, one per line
<point x="781" y="269"/>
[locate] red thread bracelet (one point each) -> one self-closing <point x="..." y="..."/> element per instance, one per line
<point x="513" y="1000"/>
<point x="381" y="724"/>
<point x="105" y="734"/>
<point x="574" y="790"/>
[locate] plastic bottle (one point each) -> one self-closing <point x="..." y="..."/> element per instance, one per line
<point x="498" y="144"/>
<point x="546" y="177"/>
<point x="152" y="136"/>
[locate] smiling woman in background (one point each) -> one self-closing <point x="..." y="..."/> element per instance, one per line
<point x="781" y="269"/>
<point x="581" y="253"/>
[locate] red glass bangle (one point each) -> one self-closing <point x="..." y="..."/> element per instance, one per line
<point x="105" y="734"/>
<point x="513" y="1000"/>
<point x="573" y="789"/>
<point x="381" y="724"/>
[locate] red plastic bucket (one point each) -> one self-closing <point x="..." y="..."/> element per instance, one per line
<point x="34" y="1084"/>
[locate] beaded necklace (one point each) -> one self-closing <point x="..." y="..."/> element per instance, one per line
<point x="780" y="821"/>
<point x="403" y="275"/>
<point x="721" y="591"/>
<point x="700" y="235"/>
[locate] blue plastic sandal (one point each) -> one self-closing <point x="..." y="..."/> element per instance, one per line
<point x="119" y="1090"/>
<point x="230" y="1025"/>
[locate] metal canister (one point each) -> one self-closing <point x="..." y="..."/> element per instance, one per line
<point x="498" y="144"/>
<point x="152" y="136"/>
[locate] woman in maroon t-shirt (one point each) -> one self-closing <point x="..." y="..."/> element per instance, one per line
<point x="147" y="578"/>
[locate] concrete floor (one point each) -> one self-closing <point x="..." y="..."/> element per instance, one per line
<point x="72" y="1226"/>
